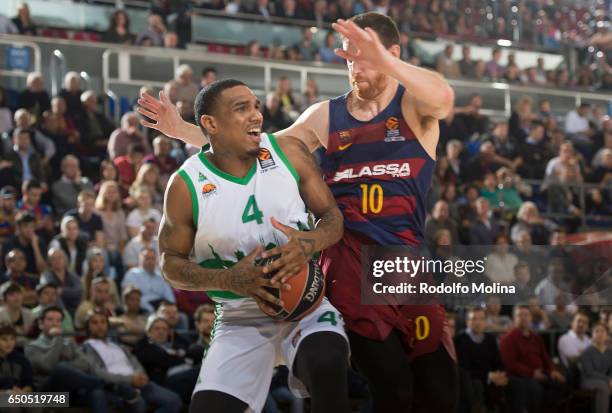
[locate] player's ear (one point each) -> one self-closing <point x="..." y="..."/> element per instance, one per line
<point x="209" y="123"/>
<point x="395" y="50"/>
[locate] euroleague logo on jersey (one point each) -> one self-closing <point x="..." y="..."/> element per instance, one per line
<point x="265" y="159"/>
<point x="392" y="134"/>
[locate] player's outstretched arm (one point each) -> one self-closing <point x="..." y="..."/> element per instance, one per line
<point x="319" y="200"/>
<point x="433" y="95"/>
<point x="176" y="237"/>
<point x="165" y="118"/>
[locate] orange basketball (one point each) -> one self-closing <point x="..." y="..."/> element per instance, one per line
<point x="307" y="291"/>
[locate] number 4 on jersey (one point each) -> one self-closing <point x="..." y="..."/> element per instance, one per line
<point x="252" y="212"/>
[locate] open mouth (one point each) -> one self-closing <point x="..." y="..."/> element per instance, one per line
<point x="254" y="133"/>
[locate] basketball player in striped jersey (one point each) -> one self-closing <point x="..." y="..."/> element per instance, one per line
<point x="246" y="192"/>
<point x="379" y="145"/>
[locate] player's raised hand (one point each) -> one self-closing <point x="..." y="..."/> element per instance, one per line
<point x="364" y="45"/>
<point x="293" y="255"/>
<point x="163" y="113"/>
<point x="248" y="280"/>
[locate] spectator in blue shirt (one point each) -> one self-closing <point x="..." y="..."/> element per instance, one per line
<point x="146" y="278"/>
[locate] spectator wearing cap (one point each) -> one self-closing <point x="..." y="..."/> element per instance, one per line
<point x="68" y="282"/>
<point x="48" y="296"/>
<point x="90" y="222"/>
<point x="143" y="211"/>
<point x="8" y="212"/>
<point x="99" y="300"/>
<point x="165" y="364"/>
<point x="60" y="365"/>
<point x="15" y="262"/>
<point x="13" y="312"/>
<point x="35" y="99"/>
<point x="32" y="192"/>
<point x="128" y="165"/>
<point x="131" y="324"/>
<point x="115" y="364"/>
<point x="15" y="369"/>
<point x="66" y="189"/>
<point x="161" y="157"/>
<point x="26" y="240"/>
<point x="525" y="358"/>
<point x="572" y="344"/>
<point x="128" y="133"/>
<point x="147" y="279"/>
<point x="146" y="238"/>
<point x="72" y="243"/>
<point x="27" y="164"/>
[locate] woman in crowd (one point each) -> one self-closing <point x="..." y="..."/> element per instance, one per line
<point x="108" y="205"/>
<point x="144" y="210"/>
<point x="119" y="29"/>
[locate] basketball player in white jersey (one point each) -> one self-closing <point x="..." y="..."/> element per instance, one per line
<point x="250" y="191"/>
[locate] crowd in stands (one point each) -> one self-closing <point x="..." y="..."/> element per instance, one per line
<point x="584" y="29"/>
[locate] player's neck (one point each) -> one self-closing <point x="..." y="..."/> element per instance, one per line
<point x="366" y="108"/>
<point x="231" y="163"/>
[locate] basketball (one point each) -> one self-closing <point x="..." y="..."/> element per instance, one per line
<point x="307" y="291"/>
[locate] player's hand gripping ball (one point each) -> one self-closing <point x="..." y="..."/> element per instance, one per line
<point x="307" y="291"/>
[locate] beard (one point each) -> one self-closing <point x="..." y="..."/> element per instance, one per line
<point x="368" y="90"/>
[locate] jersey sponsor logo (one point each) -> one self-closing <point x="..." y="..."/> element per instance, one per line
<point x="209" y="189"/>
<point x="395" y="170"/>
<point x="201" y="177"/>
<point x="393" y="133"/>
<point x="345" y="139"/>
<point x="265" y="158"/>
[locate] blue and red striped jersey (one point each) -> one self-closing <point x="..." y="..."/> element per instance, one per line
<point x="378" y="172"/>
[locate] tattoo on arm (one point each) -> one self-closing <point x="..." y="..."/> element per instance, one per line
<point x="307" y="245"/>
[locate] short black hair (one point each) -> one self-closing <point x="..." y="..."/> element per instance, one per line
<point x="50" y="309"/>
<point x="24" y="217"/>
<point x="207" y="98"/>
<point x="135" y="148"/>
<point x="383" y="25"/>
<point x="7" y="329"/>
<point x="31" y="184"/>
<point x="208" y="69"/>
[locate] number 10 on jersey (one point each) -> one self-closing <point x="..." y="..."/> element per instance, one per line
<point x="371" y="198"/>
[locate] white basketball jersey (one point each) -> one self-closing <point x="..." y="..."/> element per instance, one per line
<point x="232" y="215"/>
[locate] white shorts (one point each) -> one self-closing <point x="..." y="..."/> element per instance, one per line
<point x="247" y="345"/>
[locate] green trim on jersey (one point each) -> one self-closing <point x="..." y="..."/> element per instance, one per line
<point x="225" y="175"/>
<point x="281" y="154"/>
<point x="194" y="196"/>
